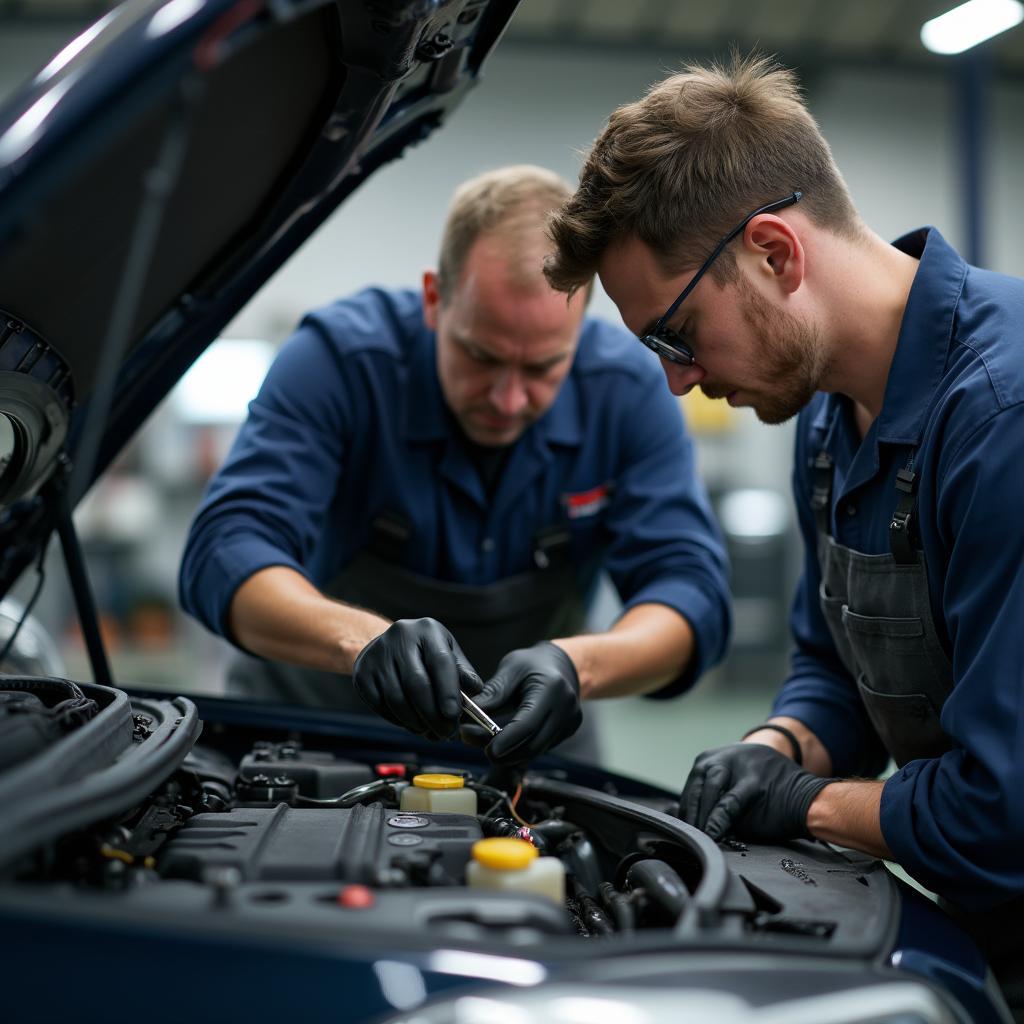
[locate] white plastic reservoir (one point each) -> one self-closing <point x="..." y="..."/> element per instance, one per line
<point x="514" y="865"/>
<point x="438" y="794"/>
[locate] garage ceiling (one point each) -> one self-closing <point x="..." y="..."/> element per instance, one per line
<point x="808" y="31"/>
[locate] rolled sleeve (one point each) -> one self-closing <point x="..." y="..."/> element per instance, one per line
<point x="268" y="503"/>
<point x="957" y="838"/>
<point x="706" y="617"/>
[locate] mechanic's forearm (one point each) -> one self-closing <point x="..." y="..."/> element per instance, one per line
<point x="277" y="613"/>
<point x="848" y="814"/>
<point x="649" y="646"/>
<point x="816" y="758"/>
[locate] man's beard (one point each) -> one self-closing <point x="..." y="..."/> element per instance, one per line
<point x="790" y="362"/>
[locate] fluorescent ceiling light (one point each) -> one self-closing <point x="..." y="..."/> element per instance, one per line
<point x="969" y="24"/>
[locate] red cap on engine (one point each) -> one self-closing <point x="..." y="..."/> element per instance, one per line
<point x="390" y="769"/>
<point x="356" y="897"/>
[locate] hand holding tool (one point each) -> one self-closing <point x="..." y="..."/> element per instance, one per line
<point x="478" y="714"/>
<point x="415" y="675"/>
<point x="539" y="687"/>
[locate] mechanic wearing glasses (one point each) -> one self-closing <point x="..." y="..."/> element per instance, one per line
<point x="428" y="484"/>
<point x="719" y="224"/>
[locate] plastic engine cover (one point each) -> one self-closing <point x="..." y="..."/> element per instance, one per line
<point x="368" y="844"/>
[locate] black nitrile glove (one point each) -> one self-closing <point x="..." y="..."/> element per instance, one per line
<point x="751" y="790"/>
<point x="411" y="675"/>
<point x="540" y="688"/>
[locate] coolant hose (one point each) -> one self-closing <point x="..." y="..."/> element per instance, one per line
<point x="661" y="885"/>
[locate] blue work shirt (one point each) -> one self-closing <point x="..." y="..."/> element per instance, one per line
<point x="955" y="396"/>
<point x="351" y="422"/>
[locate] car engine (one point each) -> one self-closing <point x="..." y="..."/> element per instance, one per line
<point x="309" y="830"/>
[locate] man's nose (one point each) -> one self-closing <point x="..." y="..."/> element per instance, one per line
<point x="681" y="378"/>
<point x="508" y="393"/>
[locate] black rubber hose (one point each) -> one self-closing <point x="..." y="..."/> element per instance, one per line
<point x="662" y="886"/>
<point x="595" y="919"/>
<point x="580" y="859"/>
<point x="619" y="906"/>
<point x="379" y="789"/>
<point x="555" y="830"/>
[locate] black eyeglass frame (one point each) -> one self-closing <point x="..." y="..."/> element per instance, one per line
<point x="661" y="339"/>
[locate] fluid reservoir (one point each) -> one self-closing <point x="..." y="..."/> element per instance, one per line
<point x="438" y="794"/>
<point x="514" y="865"/>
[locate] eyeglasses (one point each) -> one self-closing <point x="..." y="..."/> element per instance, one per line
<point x="661" y="339"/>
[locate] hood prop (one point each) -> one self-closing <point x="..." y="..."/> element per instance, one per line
<point x="158" y="185"/>
<point x="85" y="603"/>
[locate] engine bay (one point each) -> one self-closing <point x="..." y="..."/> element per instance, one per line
<point x="271" y="828"/>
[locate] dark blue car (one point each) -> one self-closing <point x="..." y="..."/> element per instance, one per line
<point x="166" y="860"/>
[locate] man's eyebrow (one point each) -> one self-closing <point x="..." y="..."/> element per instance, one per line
<point x="546" y="364"/>
<point x="466" y="342"/>
<point x="543" y="364"/>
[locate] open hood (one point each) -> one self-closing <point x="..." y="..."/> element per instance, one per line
<point x="153" y="176"/>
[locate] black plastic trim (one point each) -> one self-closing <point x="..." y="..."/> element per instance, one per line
<point x="45" y="798"/>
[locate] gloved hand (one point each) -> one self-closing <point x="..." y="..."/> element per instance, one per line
<point x="751" y="790"/>
<point x="539" y="686"/>
<point x="411" y="675"/>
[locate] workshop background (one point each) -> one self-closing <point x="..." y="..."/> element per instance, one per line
<point x="921" y="139"/>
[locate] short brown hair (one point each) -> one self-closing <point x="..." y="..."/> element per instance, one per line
<point x="679" y="167"/>
<point x="514" y="201"/>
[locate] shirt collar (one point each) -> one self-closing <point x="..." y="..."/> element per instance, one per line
<point x="922" y="349"/>
<point x="427" y="417"/>
<point x="922" y="346"/>
<point x="562" y="423"/>
<point x="426" y="412"/>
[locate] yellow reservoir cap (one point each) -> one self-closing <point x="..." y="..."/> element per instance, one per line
<point x="503" y="854"/>
<point x="438" y="781"/>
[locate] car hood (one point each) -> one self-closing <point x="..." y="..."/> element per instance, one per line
<point x="153" y="176"/>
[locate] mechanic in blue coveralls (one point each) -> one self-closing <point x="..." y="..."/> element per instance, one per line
<point x="428" y="484"/>
<point x="718" y="223"/>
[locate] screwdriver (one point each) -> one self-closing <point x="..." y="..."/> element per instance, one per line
<point x="477" y="713"/>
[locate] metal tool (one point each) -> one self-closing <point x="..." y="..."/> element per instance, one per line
<point x="478" y="715"/>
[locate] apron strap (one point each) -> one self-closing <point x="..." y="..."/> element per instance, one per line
<point x="903" y="527"/>
<point x="821" y="491"/>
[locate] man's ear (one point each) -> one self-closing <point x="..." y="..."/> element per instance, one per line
<point x="778" y="249"/>
<point x="431" y="299"/>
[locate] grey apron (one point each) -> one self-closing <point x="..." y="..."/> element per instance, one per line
<point x="880" y="617"/>
<point x="879" y="614"/>
<point x="487" y="621"/>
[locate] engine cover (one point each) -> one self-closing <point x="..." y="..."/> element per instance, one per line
<point x="367" y="844"/>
